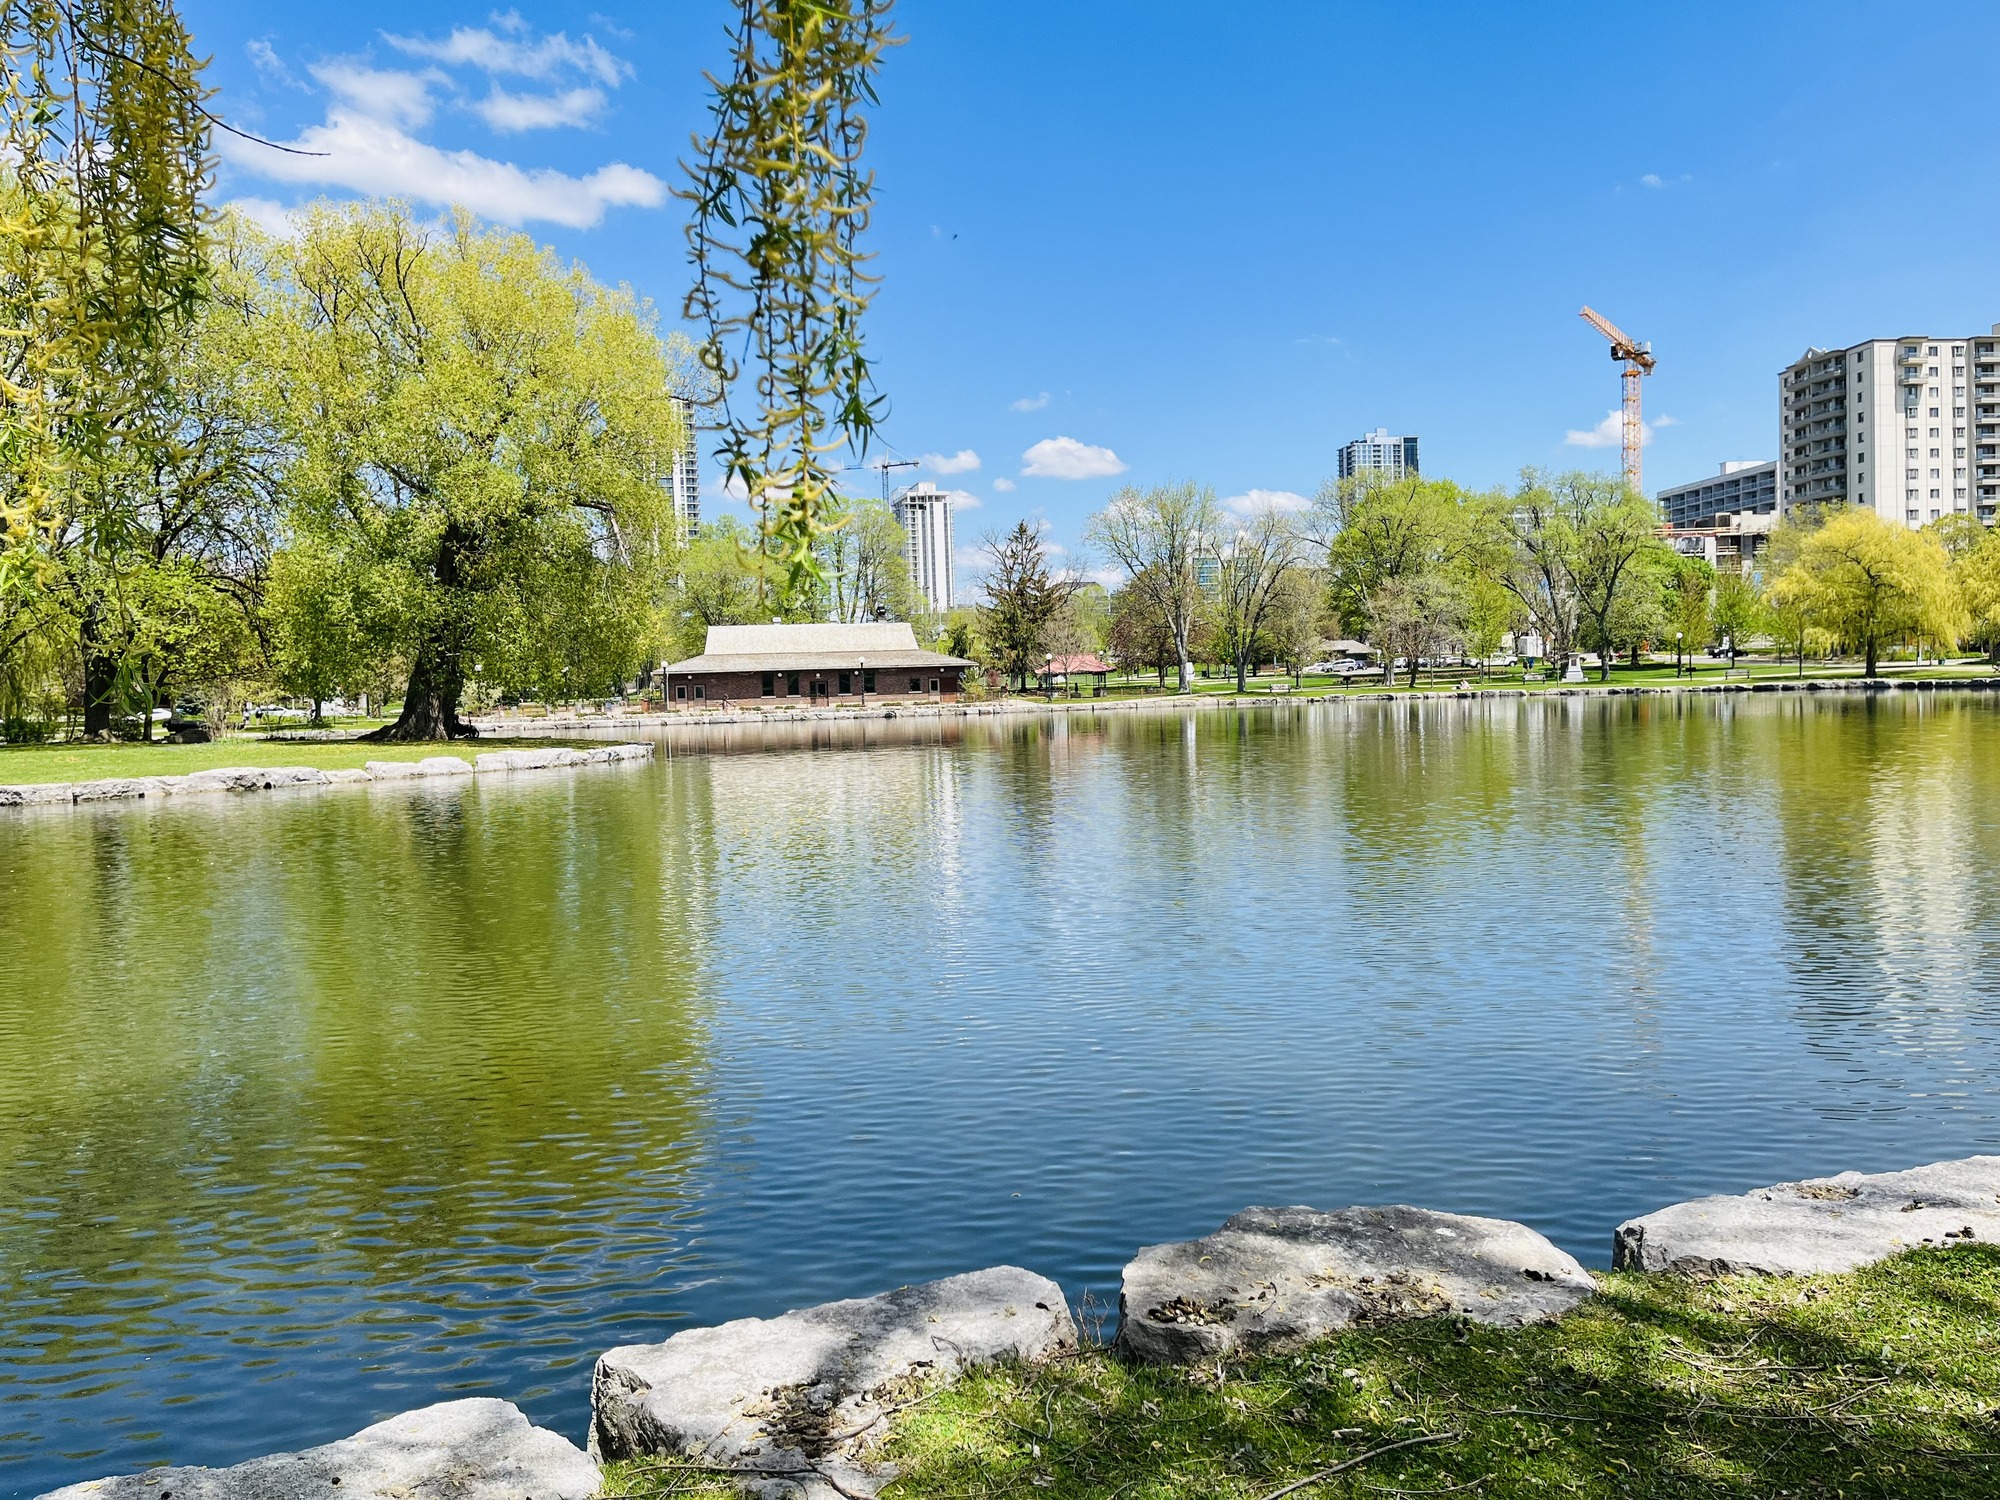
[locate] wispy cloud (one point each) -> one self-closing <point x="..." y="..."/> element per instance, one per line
<point x="963" y="500"/>
<point x="962" y="462"/>
<point x="271" y="67"/>
<point x="1610" y="433"/>
<point x="508" y="46"/>
<point x="1004" y="485"/>
<point x="509" y="113"/>
<point x="370" y="141"/>
<point x="1030" y="403"/>
<point x="1251" y="502"/>
<point x="1066" y="458"/>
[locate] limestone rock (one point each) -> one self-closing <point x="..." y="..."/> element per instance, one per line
<point x="791" y="1399"/>
<point x="478" y="1449"/>
<point x="38" y="794"/>
<point x="430" y="765"/>
<point x="111" y="789"/>
<point x="1275" y="1278"/>
<point x="346" y="775"/>
<point x="1824" y="1224"/>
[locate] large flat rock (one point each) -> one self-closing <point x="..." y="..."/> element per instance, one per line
<point x="800" y="1395"/>
<point x="1825" y="1224"/>
<point x="478" y="1449"/>
<point x="1277" y="1278"/>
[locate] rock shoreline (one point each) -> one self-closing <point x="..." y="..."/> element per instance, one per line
<point x="274" y="778"/>
<point x="792" y="1406"/>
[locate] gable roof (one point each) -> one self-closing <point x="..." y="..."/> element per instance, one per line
<point x="888" y="644"/>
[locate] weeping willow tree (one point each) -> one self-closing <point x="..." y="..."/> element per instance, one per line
<point x="104" y="138"/>
<point x="780" y="203"/>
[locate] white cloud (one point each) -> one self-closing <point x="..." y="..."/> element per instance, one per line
<point x="1652" y="179"/>
<point x="1253" y="501"/>
<point x="961" y="462"/>
<point x="508" y="47"/>
<point x="963" y="499"/>
<point x="392" y="94"/>
<point x="1610" y="433"/>
<point x="264" y="57"/>
<point x="1109" y="578"/>
<point x="1004" y="486"/>
<point x="1066" y="458"/>
<point x="507" y="112"/>
<point x="1031" y="403"/>
<point x="267" y="214"/>
<point x="366" y="153"/>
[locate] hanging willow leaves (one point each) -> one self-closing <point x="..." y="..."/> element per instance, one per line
<point x="104" y="135"/>
<point x="780" y="203"/>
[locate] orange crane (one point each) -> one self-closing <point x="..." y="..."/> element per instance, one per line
<point x="1638" y="359"/>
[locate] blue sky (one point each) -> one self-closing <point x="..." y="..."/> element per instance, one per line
<point x="1135" y="242"/>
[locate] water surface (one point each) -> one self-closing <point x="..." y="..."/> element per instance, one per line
<point x="319" y="1106"/>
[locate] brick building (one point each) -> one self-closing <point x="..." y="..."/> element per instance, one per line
<point x="813" y="664"/>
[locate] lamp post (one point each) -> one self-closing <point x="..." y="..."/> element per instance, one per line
<point x="1677" y="654"/>
<point x="864" y="679"/>
<point x="1729" y="650"/>
<point x="1049" y="674"/>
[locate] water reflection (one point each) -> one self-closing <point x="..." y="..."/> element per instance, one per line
<point x="356" y="1100"/>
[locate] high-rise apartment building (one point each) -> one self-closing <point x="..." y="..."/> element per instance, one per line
<point x="924" y="511"/>
<point x="685" y="478"/>
<point x="1909" y="427"/>
<point x="1743" y="488"/>
<point x="1378" y="450"/>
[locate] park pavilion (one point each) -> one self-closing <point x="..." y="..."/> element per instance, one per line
<point x="877" y="661"/>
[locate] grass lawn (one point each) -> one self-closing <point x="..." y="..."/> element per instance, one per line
<point x="1881" y="1383"/>
<point x="22" y="765"/>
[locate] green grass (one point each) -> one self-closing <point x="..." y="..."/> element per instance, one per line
<point x="1881" y="1383"/>
<point x="23" y="765"/>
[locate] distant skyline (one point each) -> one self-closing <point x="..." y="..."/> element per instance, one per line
<point x="1133" y="243"/>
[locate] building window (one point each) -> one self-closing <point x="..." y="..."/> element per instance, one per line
<point x="681" y="692"/>
<point x="1934" y="515"/>
<point x="701" y="690"/>
<point x="769" y="685"/>
<point x="1932" y="350"/>
<point x="791" y="684"/>
<point x="934" y="684"/>
<point x="916" y="684"/>
<point x="1934" y="494"/>
<point x="846" y="683"/>
<point x="1934" y="412"/>
<point x="1909" y="515"/>
<point x="868" y="681"/>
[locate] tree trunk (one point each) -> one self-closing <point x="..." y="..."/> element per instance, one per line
<point x="1242" y="682"/>
<point x="100" y="675"/>
<point x="430" y="707"/>
<point x="1184" y="683"/>
<point x="1869" y="652"/>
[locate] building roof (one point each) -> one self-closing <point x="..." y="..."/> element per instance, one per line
<point x="805" y="648"/>
<point x="1082" y="664"/>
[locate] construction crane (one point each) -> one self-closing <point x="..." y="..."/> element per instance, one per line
<point x="1638" y="361"/>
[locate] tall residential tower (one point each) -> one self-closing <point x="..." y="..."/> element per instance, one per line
<point x="1909" y="427"/>
<point x="685" y="479"/>
<point x="924" y="511"/>
<point x="1397" y="456"/>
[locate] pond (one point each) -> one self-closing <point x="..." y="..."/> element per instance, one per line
<point x="315" y="1107"/>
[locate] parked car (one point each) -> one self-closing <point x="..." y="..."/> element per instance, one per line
<point x="1346" y="666"/>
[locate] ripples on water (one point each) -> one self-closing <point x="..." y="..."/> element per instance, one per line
<point x="317" y="1107"/>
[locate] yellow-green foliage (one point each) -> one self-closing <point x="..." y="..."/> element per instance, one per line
<point x="1865" y="581"/>
<point x="1882" y="1384"/>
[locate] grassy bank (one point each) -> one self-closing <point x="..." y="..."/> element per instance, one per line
<point x="37" y="765"/>
<point x="1882" y="1383"/>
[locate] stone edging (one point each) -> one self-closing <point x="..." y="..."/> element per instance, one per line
<point x="272" y="778"/>
<point x="1024" y="707"/>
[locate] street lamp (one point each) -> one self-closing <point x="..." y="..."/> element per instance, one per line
<point x="864" y="679"/>
<point x="1677" y="653"/>
<point x="1049" y="674"/>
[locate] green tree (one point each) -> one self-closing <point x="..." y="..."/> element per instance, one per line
<point x="1418" y="617"/>
<point x="1490" y="613"/>
<point x="1372" y="527"/>
<point x="1023" y="598"/>
<point x="1865" y="581"/>
<point x="718" y="584"/>
<point x="1257" y="557"/>
<point x="1616" y="558"/>
<point x="1689" y="587"/>
<point x="1140" y="635"/>
<point x="865" y="567"/>
<point x="486" y="434"/>
<point x="1292" y="627"/>
<point x="1739" y="611"/>
<point x="105" y="135"/>
<point x="1160" y="538"/>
